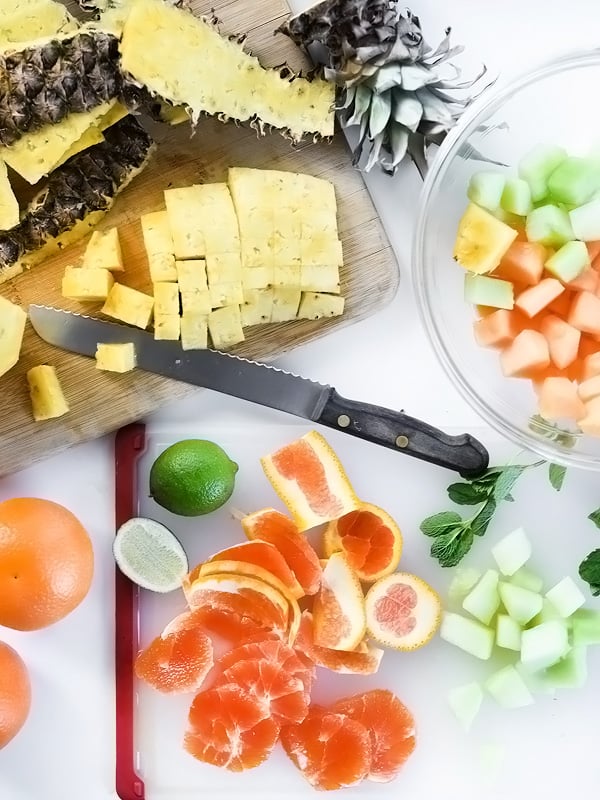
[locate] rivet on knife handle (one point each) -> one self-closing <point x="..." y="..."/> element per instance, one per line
<point x="463" y="454"/>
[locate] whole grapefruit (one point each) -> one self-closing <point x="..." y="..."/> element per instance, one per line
<point x="15" y="694"/>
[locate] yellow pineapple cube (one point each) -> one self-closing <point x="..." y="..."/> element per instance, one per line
<point x="226" y="294"/>
<point x="223" y="268"/>
<point x="47" y="398"/>
<point x="287" y="277"/>
<point x="286" y="251"/>
<point x="256" y="252"/>
<point x="104" y="251"/>
<point x="128" y="305"/>
<point x="287" y="222"/>
<point x="159" y="246"/>
<point x="321" y="249"/>
<point x="184" y="209"/>
<point x="256" y="278"/>
<point x="116" y="357"/>
<point x="87" y="285"/>
<point x="285" y="304"/>
<point x="257" y="306"/>
<point x="320" y="279"/>
<point x="315" y="305"/>
<point x="167" y="326"/>
<point x="191" y="275"/>
<point x="194" y="331"/>
<point x="196" y="302"/>
<point x="225" y="326"/>
<point x="166" y="298"/>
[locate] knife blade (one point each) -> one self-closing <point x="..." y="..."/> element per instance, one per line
<point x="265" y="385"/>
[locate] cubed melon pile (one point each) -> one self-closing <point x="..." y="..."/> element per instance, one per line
<point x="531" y="248"/>
<point x="506" y="612"/>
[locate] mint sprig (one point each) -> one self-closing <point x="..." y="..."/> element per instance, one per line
<point x="589" y="569"/>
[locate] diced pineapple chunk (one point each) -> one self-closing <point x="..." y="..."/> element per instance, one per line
<point x="194" y="331"/>
<point x="116" y="357"/>
<point x="257" y="306"/>
<point x="12" y="330"/>
<point x="225" y="326"/>
<point x="9" y="206"/>
<point x="104" y="251"/>
<point x="128" y="305"/>
<point x="159" y="246"/>
<point x="320" y="279"/>
<point x="322" y="249"/>
<point x="191" y="275"/>
<point x="285" y="304"/>
<point x="167" y="327"/>
<point x="256" y="252"/>
<point x="166" y="299"/>
<point x="202" y="219"/>
<point x="224" y="268"/>
<point x="197" y="302"/>
<point x="257" y="278"/>
<point x="286" y="251"/>
<point x="287" y="277"/>
<point x="226" y="294"/>
<point x="87" y="285"/>
<point x="315" y="305"/>
<point x="183" y="214"/>
<point x="47" y="397"/>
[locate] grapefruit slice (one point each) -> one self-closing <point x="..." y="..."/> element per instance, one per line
<point x="403" y="612"/>
<point x="370" y="539"/>
<point x="364" y="660"/>
<point x="265" y="555"/>
<point x="331" y="750"/>
<point x="391" y="728"/>
<point x="179" y="659"/>
<point x="311" y="481"/>
<point x="339" y="608"/>
<point x="269" y="525"/>
<point x="234" y="628"/>
<point x="227" y="728"/>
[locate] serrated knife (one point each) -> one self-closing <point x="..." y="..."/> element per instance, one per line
<point x="267" y="386"/>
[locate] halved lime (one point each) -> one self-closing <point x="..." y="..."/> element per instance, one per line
<point x="150" y="555"/>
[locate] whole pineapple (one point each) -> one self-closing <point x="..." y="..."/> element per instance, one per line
<point x="390" y="81"/>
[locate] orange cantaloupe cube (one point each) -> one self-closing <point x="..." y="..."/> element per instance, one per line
<point x="591" y="366"/>
<point x="558" y="399"/>
<point x="562" y="305"/>
<point x="528" y="352"/>
<point x="563" y="340"/>
<point x="585" y="313"/>
<point x="589" y="389"/>
<point x="537" y="298"/>
<point x="523" y="263"/>
<point x="498" y="329"/>
<point x="590" y="423"/>
<point x="593" y="249"/>
<point x="586" y="281"/>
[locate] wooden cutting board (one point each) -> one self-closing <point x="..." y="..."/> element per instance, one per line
<point x="102" y="402"/>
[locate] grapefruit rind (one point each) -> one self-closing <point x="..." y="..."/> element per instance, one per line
<point x="427" y="612"/>
<point x="334" y="542"/>
<point x="363" y="660"/>
<point x="285" y="576"/>
<point x="339" y="616"/>
<point x="334" y="492"/>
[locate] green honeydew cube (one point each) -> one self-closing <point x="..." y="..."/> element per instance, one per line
<point x="537" y="165"/>
<point x="469" y="635"/>
<point x="483" y="291"/>
<point x="508" y="688"/>
<point x="465" y="702"/>
<point x="463" y="581"/>
<point x="568" y="262"/>
<point x="512" y="552"/>
<point x="483" y="600"/>
<point x="549" y="225"/>
<point x="585" y="627"/>
<point x="570" y="672"/>
<point x="521" y="604"/>
<point x="544" y="645"/>
<point x="566" y="597"/>
<point x="508" y="633"/>
<point x="574" y="181"/>
<point x="585" y="221"/>
<point x="527" y="579"/>
<point x="516" y="197"/>
<point x="485" y="189"/>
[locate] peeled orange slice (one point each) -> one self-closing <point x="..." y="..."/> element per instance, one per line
<point x="364" y="660"/>
<point x="369" y="537"/>
<point x="265" y="555"/>
<point x="403" y="612"/>
<point x="310" y="480"/>
<point x="339" y="608"/>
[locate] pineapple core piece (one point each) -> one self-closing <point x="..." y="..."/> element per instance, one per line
<point x="128" y="305"/>
<point x="159" y="246"/>
<point x="225" y="326"/>
<point x="87" y="285"/>
<point x="166" y="299"/>
<point x="47" y="397"/>
<point x="194" y="331"/>
<point x="116" y="357"/>
<point x="167" y="327"/>
<point x="104" y="251"/>
<point x="9" y="206"/>
<point x="12" y="330"/>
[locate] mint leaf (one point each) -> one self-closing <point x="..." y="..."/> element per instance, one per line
<point x="466" y="494"/>
<point x="595" y="517"/>
<point x="556" y="474"/>
<point x="506" y="481"/>
<point x="589" y="571"/>
<point x="450" y="548"/>
<point x="480" y="523"/>
<point x="440" y="523"/>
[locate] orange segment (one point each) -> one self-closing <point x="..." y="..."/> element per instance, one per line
<point x="391" y="727"/>
<point x="339" y="607"/>
<point x="331" y="750"/>
<point x="281" y="695"/>
<point x="370" y="539"/>
<point x="230" y="626"/>
<point x="227" y="728"/>
<point x="265" y="555"/>
<point x="269" y="525"/>
<point x="310" y="480"/>
<point x="365" y="660"/>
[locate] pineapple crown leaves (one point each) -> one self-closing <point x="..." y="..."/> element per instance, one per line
<point x="392" y="85"/>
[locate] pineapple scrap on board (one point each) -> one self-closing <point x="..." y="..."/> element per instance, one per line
<point x="47" y="397"/>
<point x="12" y="330"/>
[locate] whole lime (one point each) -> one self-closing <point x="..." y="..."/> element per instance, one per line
<point x="192" y="477"/>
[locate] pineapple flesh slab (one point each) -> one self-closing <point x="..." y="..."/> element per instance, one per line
<point x="12" y="330"/>
<point x="185" y="60"/>
<point x="9" y="206"/>
<point x="183" y="218"/>
<point x="129" y="306"/>
<point x="116" y="357"/>
<point x="87" y="285"/>
<point x="25" y="22"/>
<point x="104" y="251"/>
<point x="225" y="326"/>
<point x="159" y="246"/>
<point x="47" y="398"/>
<point x="194" y="331"/>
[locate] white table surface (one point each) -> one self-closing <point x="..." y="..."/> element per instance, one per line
<point x="384" y="360"/>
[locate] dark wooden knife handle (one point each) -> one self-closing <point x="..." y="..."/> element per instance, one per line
<point x="463" y="454"/>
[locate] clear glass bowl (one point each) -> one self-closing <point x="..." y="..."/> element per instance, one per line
<point x="556" y="103"/>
